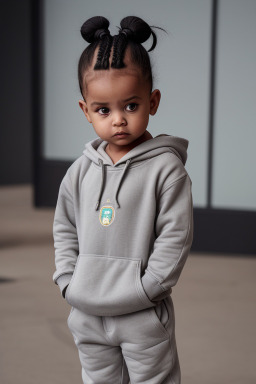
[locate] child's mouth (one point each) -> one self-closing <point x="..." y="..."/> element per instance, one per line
<point x="121" y="134"/>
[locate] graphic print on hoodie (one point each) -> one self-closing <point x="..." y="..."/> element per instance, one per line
<point x="122" y="232"/>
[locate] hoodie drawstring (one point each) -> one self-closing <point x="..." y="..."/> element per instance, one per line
<point x="120" y="181"/>
<point x="103" y="182"/>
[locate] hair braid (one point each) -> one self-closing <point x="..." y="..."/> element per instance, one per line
<point x="106" y="55"/>
<point x="119" y="44"/>
<point x="102" y="61"/>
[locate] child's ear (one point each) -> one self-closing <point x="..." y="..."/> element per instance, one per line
<point x="154" y="101"/>
<point x="83" y="106"/>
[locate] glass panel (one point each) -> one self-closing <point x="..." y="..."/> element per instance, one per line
<point x="234" y="181"/>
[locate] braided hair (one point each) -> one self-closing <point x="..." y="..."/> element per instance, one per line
<point x="133" y="32"/>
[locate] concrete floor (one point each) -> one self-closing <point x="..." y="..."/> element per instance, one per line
<point x="214" y="301"/>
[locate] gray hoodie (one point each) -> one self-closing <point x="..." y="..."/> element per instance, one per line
<point x="122" y="232"/>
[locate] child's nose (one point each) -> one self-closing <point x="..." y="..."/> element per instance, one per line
<point x="118" y="119"/>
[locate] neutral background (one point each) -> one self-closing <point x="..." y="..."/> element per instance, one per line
<point x="215" y="296"/>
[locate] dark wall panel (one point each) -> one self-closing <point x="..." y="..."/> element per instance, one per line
<point x="15" y="116"/>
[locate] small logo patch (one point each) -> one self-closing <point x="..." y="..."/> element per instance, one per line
<point x="107" y="215"/>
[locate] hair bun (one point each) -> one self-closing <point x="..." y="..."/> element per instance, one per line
<point x="134" y="28"/>
<point x="95" y="28"/>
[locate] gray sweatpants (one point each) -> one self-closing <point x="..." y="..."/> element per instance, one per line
<point x="139" y="347"/>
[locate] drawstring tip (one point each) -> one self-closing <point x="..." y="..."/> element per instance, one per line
<point x="97" y="206"/>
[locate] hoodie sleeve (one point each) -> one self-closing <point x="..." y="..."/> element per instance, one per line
<point x="174" y="234"/>
<point x="65" y="236"/>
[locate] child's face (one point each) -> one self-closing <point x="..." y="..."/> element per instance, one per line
<point x="118" y="103"/>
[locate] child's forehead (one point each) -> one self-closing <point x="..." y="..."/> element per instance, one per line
<point x="130" y="69"/>
<point x="114" y="84"/>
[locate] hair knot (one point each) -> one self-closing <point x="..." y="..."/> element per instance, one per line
<point x="128" y="33"/>
<point x="95" y="28"/>
<point x="100" y="33"/>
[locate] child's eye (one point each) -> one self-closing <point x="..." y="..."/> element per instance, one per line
<point x="131" y="107"/>
<point x="103" y="111"/>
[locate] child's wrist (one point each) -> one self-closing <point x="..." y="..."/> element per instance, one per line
<point x="63" y="282"/>
<point x="151" y="286"/>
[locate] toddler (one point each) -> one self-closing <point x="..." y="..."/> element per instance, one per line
<point x="123" y="225"/>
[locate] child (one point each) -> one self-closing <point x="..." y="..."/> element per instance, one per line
<point x="123" y="221"/>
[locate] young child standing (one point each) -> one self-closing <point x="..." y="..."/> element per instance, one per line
<point x="123" y="223"/>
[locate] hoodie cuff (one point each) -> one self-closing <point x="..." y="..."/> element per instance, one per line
<point x="63" y="281"/>
<point x="151" y="286"/>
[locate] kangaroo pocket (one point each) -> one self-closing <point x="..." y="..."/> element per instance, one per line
<point x="107" y="286"/>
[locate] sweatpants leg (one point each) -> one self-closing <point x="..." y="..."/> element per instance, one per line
<point x="148" y="345"/>
<point x="102" y="361"/>
<point x="143" y="342"/>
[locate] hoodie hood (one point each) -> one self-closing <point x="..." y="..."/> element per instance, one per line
<point x="150" y="148"/>
<point x="95" y="151"/>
